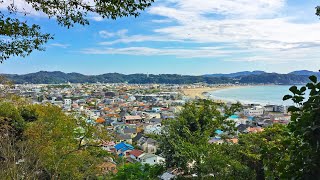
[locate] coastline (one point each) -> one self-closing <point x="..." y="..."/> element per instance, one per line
<point x="272" y="100"/>
<point x="199" y="92"/>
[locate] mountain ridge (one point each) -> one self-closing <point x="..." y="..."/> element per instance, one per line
<point x="236" y="74"/>
<point x="254" y="77"/>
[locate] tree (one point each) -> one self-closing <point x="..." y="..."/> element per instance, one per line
<point x="42" y="142"/>
<point x="224" y="162"/>
<point x="138" y="171"/>
<point x="22" y="38"/>
<point x="16" y="159"/>
<point x="318" y="10"/>
<point x="305" y="126"/>
<point x="266" y="152"/>
<point x="66" y="147"/>
<point x="184" y="141"/>
<point x="12" y="118"/>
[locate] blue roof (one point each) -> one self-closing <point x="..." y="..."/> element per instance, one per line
<point x="89" y="121"/>
<point x="123" y="146"/>
<point x="234" y="117"/>
<point x="218" y="132"/>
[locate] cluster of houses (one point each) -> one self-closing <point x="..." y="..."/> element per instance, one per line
<point x="133" y="114"/>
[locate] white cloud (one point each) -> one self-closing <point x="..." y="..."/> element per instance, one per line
<point x="60" y="45"/>
<point x="97" y="18"/>
<point x="233" y="8"/>
<point x="161" y="20"/>
<point x="264" y="28"/>
<point x="205" y="30"/>
<point x="179" y="52"/>
<point x="305" y="55"/>
<point x="106" y="34"/>
<point x="139" y="38"/>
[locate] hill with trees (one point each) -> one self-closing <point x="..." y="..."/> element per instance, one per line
<point x="57" y="77"/>
<point x="242" y="73"/>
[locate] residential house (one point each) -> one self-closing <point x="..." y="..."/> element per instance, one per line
<point x="123" y="148"/>
<point x="254" y="129"/>
<point x="137" y="138"/>
<point x="152" y="129"/>
<point x="132" y="119"/>
<point x="109" y="146"/>
<point x="130" y="131"/>
<point x="124" y="138"/>
<point x="148" y="145"/>
<point x="136" y="154"/>
<point x="242" y="128"/>
<point x="151" y="159"/>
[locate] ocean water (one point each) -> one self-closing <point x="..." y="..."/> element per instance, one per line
<point x="272" y="94"/>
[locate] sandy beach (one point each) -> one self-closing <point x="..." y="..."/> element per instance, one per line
<point x="199" y="92"/>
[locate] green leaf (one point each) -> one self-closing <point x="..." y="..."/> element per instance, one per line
<point x="313" y="79"/>
<point x="294" y="89"/>
<point x="293" y="109"/>
<point x="303" y="89"/>
<point x="286" y="97"/>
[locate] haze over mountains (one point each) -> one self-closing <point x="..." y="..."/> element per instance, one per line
<point x="254" y="77"/>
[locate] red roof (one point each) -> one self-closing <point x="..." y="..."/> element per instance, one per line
<point x="136" y="153"/>
<point x="100" y="120"/>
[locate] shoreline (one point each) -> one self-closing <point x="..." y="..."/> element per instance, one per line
<point x="199" y="92"/>
<point x="246" y="101"/>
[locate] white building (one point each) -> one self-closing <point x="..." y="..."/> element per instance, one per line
<point x="156" y="109"/>
<point x="255" y="111"/>
<point x="67" y="102"/>
<point x="151" y="159"/>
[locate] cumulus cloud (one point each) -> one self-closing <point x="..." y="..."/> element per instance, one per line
<point x="263" y="28"/>
<point x="234" y="21"/>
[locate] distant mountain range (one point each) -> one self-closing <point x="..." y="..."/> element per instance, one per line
<point x="242" y="73"/>
<point x="305" y="72"/>
<point x="255" y="77"/>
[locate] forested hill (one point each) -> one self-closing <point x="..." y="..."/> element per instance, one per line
<point x="57" y="77"/>
<point x="237" y="74"/>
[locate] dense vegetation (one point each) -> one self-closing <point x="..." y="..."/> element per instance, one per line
<point x="57" y="77"/>
<point x="275" y="78"/>
<point x="41" y="142"/>
<point x="139" y="171"/>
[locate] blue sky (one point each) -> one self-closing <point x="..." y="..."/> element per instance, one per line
<point x="184" y="37"/>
